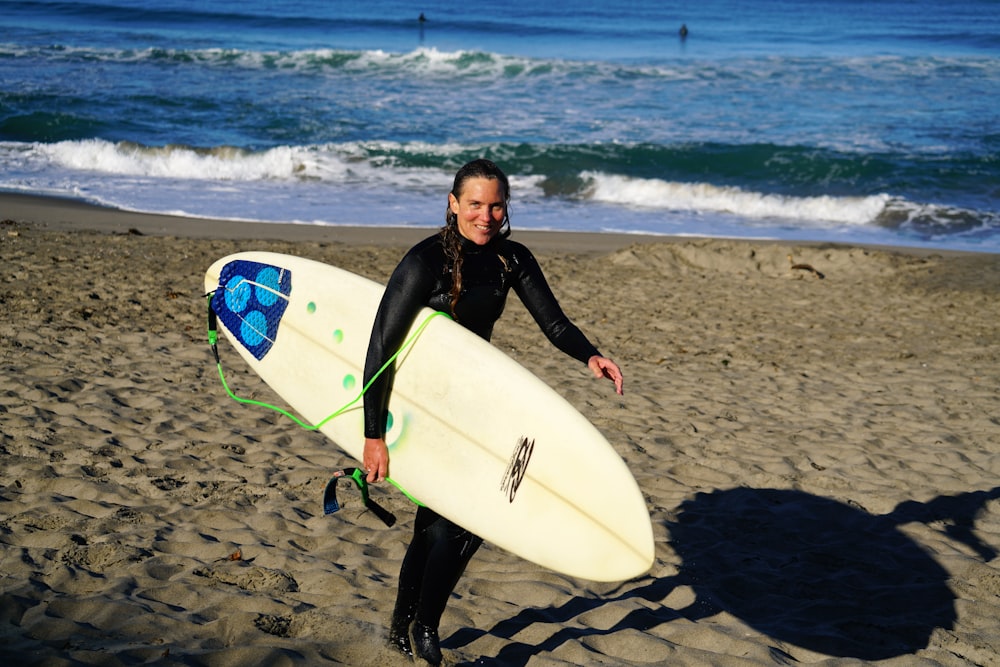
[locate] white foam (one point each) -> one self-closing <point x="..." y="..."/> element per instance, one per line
<point x="173" y="161"/>
<point x="704" y="197"/>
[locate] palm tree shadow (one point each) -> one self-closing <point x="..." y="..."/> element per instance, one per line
<point x="809" y="571"/>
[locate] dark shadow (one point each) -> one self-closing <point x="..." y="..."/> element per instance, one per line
<point x="809" y="571"/>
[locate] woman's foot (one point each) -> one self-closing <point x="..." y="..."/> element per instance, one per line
<point x="400" y="640"/>
<point x="425" y="643"/>
<point x="399" y="631"/>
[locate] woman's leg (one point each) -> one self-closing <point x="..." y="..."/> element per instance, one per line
<point x="434" y="562"/>
<point x="411" y="575"/>
<point x="450" y="548"/>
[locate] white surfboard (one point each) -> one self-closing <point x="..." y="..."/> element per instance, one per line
<point x="473" y="434"/>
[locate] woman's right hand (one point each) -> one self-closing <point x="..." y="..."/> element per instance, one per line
<point x="376" y="459"/>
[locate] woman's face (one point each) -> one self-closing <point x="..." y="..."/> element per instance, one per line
<point x="480" y="208"/>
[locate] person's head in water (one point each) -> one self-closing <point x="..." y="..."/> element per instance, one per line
<point x="478" y="203"/>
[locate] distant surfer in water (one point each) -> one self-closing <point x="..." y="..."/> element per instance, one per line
<point x="466" y="270"/>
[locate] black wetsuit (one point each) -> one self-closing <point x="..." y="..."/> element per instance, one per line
<point x="440" y="550"/>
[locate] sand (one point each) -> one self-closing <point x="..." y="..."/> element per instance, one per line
<point x="820" y="458"/>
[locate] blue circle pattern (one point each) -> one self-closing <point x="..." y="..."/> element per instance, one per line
<point x="254" y="329"/>
<point x="237" y="293"/>
<point x="268" y="287"/>
<point x="251" y="308"/>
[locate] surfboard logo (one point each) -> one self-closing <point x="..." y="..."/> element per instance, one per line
<point x="250" y="301"/>
<point x="517" y="467"/>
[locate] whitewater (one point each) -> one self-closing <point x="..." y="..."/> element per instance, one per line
<point x="852" y="123"/>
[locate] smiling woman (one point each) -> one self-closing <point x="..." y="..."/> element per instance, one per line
<point x="477" y="211"/>
<point x="480" y="208"/>
<point x="466" y="269"/>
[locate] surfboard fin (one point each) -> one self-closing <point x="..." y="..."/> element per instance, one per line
<point x="331" y="505"/>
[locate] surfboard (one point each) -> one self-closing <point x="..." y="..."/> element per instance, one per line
<point x="472" y="434"/>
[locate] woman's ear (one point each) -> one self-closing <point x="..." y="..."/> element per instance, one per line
<point x="453" y="203"/>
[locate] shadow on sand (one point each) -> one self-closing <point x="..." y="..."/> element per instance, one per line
<point x="805" y="570"/>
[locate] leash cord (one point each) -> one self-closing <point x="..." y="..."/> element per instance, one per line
<point x="213" y="339"/>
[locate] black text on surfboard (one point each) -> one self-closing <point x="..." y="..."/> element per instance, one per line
<point x="517" y="467"/>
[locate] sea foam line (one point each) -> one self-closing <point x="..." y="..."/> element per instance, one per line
<point x="372" y="165"/>
<point x="705" y="197"/>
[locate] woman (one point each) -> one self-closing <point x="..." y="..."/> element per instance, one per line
<point x="465" y="270"/>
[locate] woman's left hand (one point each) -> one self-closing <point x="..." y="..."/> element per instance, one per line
<point x="604" y="367"/>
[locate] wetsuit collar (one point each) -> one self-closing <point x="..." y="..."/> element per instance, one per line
<point x="470" y="248"/>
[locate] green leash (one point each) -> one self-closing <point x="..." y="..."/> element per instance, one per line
<point x="213" y="340"/>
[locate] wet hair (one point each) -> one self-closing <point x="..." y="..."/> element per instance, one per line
<point x="451" y="238"/>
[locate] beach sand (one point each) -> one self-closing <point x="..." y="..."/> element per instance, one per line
<point x="821" y="459"/>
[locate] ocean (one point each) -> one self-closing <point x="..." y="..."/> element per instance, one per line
<point x="856" y="121"/>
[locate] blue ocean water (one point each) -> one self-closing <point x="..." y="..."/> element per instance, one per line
<point x="872" y="121"/>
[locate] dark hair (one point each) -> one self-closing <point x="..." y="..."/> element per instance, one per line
<point x="451" y="238"/>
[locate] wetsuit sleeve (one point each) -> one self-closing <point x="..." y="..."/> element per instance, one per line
<point x="538" y="298"/>
<point x="407" y="291"/>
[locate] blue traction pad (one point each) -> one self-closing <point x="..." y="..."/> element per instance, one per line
<point x="250" y="301"/>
